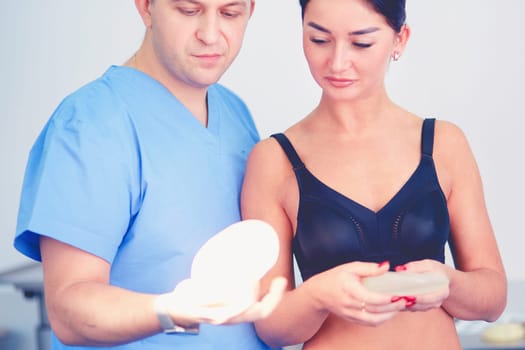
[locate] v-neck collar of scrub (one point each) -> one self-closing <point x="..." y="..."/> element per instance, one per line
<point x="138" y="77"/>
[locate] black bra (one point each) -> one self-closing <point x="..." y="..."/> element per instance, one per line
<point x="332" y="229"/>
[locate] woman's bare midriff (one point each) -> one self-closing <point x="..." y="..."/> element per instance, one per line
<point x="430" y="330"/>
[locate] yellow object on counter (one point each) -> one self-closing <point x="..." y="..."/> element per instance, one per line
<point x="504" y="333"/>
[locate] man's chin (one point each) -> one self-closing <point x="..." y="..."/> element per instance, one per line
<point x="205" y="80"/>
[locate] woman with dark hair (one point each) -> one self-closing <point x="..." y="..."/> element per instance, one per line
<point x="361" y="186"/>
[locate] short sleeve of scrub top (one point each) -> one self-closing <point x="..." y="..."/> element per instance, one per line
<point x="79" y="183"/>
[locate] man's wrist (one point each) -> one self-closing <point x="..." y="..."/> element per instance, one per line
<point x="166" y="322"/>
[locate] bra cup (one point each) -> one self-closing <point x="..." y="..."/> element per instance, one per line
<point x="329" y="237"/>
<point x="424" y="227"/>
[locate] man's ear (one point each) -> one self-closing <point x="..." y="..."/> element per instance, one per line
<point x="252" y="7"/>
<point x="143" y="7"/>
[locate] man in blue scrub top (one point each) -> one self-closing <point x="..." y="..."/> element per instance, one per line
<point x="131" y="175"/>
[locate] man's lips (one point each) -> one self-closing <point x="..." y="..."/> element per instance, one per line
<point x="208" y="59"/>
<point x="207" y="56"/>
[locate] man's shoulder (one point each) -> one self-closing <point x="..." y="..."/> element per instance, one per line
<point x="99" y="90"/>
<point x="96" y="99"/>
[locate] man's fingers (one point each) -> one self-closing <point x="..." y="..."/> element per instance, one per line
<point x="266" y="305"/>
<point x="270" y="301"/>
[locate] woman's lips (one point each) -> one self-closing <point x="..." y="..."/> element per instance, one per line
<point x="340" y="82"/>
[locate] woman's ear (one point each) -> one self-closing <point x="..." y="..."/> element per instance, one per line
<point x="402" y="39"/>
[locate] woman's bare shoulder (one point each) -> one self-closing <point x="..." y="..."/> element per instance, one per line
<point x="449" y="139"/>
<point x="268" y="160"/>
<point x="266" y="150"/>
<point x="453" y="156"/>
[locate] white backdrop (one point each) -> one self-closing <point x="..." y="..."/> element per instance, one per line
<point x="464" y="63"/>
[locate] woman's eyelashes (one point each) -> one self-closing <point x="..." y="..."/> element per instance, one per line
<point x="358" y="44"/>
<point x="362" y="45"/>
<point x="319" y="41"/>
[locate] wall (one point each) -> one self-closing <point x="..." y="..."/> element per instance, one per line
<point x="464" y="63"/>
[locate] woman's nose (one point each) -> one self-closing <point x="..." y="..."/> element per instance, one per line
<point x="341" y="58"/>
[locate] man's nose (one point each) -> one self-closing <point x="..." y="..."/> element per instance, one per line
<point x="209" y="29"/>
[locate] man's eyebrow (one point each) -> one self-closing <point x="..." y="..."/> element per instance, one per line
<point x="232" y="3"/>
<point x="191" y="1"/>
<point x="239" y="2"/>
<point x="355" y="32"/>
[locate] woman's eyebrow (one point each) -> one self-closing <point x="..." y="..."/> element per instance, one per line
<point x="318" y="27"/>
<point x="355" y="32"/>
<point x="364" y="31"/>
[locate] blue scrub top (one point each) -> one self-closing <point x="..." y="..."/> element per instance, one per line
<point x="124" y="171"/>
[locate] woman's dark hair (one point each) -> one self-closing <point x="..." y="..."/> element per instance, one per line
<point x="393" y="10"/>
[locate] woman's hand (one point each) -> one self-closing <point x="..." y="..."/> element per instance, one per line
<point x="341" y="292"/>
<point x="424" y="302"/>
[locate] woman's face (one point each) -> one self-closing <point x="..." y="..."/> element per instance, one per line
<point x="348" y="46"/>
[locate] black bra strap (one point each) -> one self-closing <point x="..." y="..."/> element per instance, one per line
<point x="427" y="136"/>
<point x="289" y="150"/>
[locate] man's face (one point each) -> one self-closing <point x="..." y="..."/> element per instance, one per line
<point x="195" y="41"/>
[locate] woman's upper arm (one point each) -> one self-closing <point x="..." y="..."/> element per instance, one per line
<point x="262" y="198"/>
<point x="473" y="242"/>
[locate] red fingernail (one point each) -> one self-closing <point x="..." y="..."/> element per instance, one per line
<point x="401" y="268"/>
<point x="410" y="298"/>
<point x="380" y="265"/>
<point x="394" y="299"/>
<point x="410" y="303"/>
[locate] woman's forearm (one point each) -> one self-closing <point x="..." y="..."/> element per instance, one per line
<point x="297" y="318"/>
<point x="477" y="295"/>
